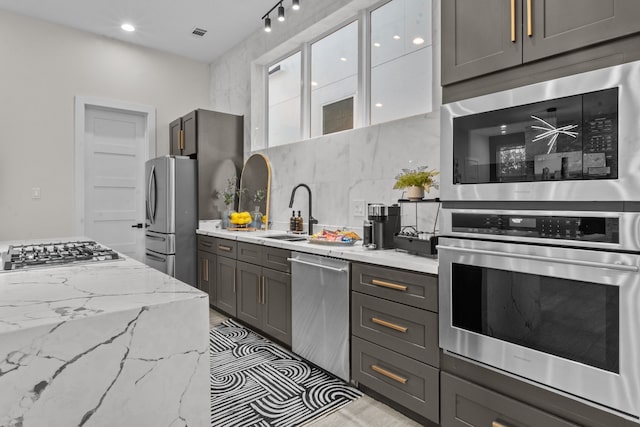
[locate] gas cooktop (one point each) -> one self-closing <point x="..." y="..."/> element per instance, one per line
<point x="50" y="254"/>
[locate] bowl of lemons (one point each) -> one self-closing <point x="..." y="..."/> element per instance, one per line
<point x="240" y="219"/>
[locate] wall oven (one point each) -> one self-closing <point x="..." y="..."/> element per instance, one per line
<point x="552" y="297"/>
<point x="575" y="139"/>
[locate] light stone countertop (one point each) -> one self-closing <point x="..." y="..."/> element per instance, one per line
<point x="385" y="257"/>
<point x="102" y="343"/>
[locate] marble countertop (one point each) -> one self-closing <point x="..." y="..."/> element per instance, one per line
<point x="51" y="295"/>
<point x="386" y="257"/>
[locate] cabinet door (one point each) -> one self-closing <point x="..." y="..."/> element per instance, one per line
<point x="249" y="295"/>
<point x="560" y="26"/>
<point x="207" y="274"/>
<point x="190" y="129"/>
<point x="226" y="285"/>
<point x="276" y="304"/>
<point x="479" y="37"/>
<point x="175" y="127"/>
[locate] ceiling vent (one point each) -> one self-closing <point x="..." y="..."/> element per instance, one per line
<point x="198" y="32"/>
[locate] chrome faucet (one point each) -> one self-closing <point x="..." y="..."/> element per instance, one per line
<point x="312" y="220"/>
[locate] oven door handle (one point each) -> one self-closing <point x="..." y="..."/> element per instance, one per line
<point x="619" y="267"/>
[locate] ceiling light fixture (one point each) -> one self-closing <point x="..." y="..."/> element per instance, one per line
<point x="418" y="40"/>
<point x="280" y="11"/>
<point x="376" y="44"/>
<point x="128" y="27"/>
<point x="396" y="37"/>
<point x="343" y="59"/>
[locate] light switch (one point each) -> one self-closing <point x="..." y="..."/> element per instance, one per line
<point x="35" y="193"/>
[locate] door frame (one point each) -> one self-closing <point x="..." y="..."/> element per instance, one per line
<point x="81" y="104"/>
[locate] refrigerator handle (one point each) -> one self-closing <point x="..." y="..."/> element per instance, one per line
<point x="151" y="193"/>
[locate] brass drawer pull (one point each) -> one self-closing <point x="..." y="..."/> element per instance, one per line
<point x="513" y="20"/>
<point x="225" y="248"/>
<point x="377" y="282"/>
<point x="529" y="19"/>
<point x="206" y="270"/>
<point x="234" y="281"/>
<point x="206" y="244"/>
<point x="499" y="423"/>
<point x="389" y="325"/>
<point x="388" y="374"/>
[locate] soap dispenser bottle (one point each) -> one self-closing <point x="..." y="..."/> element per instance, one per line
<point x="293" y="226"/>
<point x="299" y="223"/>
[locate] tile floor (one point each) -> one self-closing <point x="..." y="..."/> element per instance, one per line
<point x="363" y="412"/>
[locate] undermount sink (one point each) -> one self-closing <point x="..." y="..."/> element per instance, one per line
<point x="287" y="237"/>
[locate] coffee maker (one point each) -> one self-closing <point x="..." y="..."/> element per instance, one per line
<point x="381" y="225"/>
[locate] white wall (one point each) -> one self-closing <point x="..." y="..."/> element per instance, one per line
<point x="353" y="165"/>
<point x="42" y="68"/>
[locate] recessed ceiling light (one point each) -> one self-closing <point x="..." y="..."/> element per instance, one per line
<point x="379" y="104"/>
<point x="396" y="37"/>
<point x="343" y="59"/>
<point x="376" y="44"/>
<point x="128" y="27"/>
<point x="418" y="40"/>
<point x="503" y="127"/>
<point x="314" y="83"/>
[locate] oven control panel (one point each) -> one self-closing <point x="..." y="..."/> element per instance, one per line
<point x="592" y="229"/>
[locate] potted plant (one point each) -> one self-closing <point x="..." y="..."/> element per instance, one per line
<point x="228" y="196"/>
<point x="416" y="181"/>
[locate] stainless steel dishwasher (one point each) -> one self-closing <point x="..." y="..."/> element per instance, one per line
<point x="320" y="311"/>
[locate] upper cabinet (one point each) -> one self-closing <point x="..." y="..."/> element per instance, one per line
<point x="183" y="135"/>
<point x="483" y="36"/>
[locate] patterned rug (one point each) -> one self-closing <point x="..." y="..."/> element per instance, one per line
<point x="257" y="383"/>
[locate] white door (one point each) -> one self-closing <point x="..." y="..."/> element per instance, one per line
<point x="114" y="157"/>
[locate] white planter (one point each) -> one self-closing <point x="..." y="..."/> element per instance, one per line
<point x="415" y="193"/>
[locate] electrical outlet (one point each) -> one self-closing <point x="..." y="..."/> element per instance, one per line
<point x="358" y="207"/>
<point x="35" y="193"/>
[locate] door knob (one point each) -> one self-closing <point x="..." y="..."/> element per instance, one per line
<point x="138" y="225"/>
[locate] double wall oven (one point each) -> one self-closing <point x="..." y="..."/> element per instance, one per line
<point x="540" y="259"/>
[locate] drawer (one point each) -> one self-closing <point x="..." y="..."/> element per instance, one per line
<point x="414" y="289"/>
<point x="160" y="243"/>
<point x="250" y="252"/>
<point x="406" y="330"/>
<point x="467" y="404"/>
<point x="276" y="259"/>
<point x="207" y="243"/>
<point x="225" y="247"/>
<point x="408" y="382"/>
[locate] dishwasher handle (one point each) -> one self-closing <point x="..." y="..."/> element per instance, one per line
<point x="313" y="264"/>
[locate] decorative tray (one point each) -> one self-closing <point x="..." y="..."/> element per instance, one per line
<point x="241" y="228"/>
<point x="331" y="242"/>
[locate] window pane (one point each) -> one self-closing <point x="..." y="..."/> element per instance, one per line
<point x="285" y="91"/>
<point x="334" y="80"/>
<point x="401" y="70"/>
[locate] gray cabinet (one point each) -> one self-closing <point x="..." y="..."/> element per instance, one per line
<point x="465" y="404"/>
<point x="216" y="140"/>
<point x="394" y="327"/>
<point x="264" y="294"/>
<point x="207" y="266"/>
<point x="226" y="284"/>
<point x="484" y="36"/>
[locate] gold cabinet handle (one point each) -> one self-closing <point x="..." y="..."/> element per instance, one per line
<point x="498" y="423"/>
<point x="181" y="140"/>
<point x="389" y="285"/>
<point x="529" y="18"/>
<point x="513" y="21"/>
<point x="263" y="289"/>
<point x="389" y="325"/>
<point x="224" y="248"/>
<point x="388" y="374"/>
<point x="206" y="244"/>
<point x="234" y="281"/>
<point x="206" y="270"/>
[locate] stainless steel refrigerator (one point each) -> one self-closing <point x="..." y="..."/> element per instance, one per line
<point x="172" y="216"/>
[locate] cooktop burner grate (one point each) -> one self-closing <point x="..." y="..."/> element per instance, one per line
<point x="51" y="254"/>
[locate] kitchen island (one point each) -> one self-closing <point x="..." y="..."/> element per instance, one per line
<point x="111" y="343"/>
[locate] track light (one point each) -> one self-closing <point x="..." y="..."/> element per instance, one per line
<point x="267" y="21"/>
<point x="281" y="13"/>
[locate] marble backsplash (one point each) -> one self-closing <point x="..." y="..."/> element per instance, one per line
<point x="354" y="165"/>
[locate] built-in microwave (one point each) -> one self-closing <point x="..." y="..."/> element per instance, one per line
<point x="575" y="138"/>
